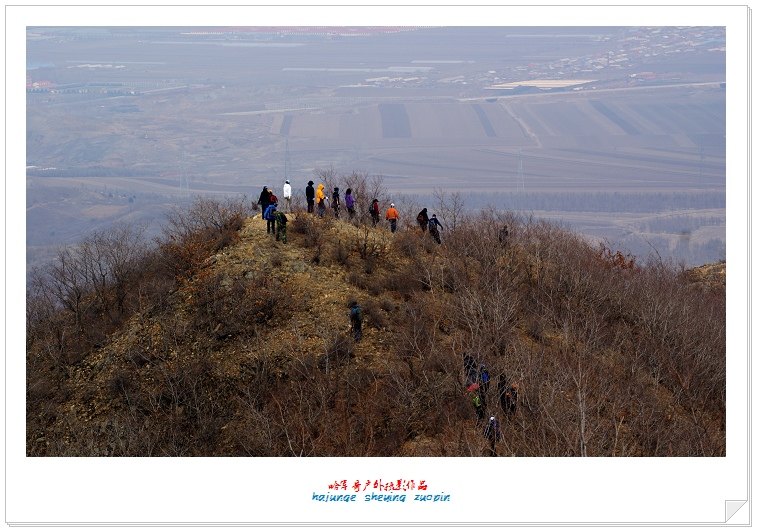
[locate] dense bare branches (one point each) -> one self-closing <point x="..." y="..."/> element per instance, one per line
<point x="609" y="356"/>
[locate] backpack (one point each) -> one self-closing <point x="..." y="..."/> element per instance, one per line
<point x="269" y="213"/>
<point x="356" y="314"/>
<point x="280" y="217"/>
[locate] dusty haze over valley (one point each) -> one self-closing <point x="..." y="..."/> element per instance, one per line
<point x="618" y="132"/>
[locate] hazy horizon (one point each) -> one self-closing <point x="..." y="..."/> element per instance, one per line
<point x="585" y="125"/>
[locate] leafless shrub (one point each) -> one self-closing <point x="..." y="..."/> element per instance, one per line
<point x="407" y="243"/>
<point x="227" y="308"/>
<point x="375" y="316"/>
<point x="340" y="254"/>
<point x="191" y="236"/>
<point x="339" y="351"/>
<point x="307" y="225"/>
<point x="359" y="280"/>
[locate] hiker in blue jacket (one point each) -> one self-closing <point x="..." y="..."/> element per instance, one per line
<point x="270" y="217"/>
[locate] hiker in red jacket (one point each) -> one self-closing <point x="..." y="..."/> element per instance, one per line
<point x="374" y="212"/>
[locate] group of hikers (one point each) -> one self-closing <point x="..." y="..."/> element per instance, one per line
<point x="477" y="375"/>
<point x="432" y="224"/>
<point x="276" y="220"/>
<point x="317" y="198"/>
<point x="477" y="380"/>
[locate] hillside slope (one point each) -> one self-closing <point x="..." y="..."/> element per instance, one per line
<point x="249" y="351"/>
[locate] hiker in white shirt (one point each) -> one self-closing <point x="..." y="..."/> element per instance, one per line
<point x="288" y="196"/>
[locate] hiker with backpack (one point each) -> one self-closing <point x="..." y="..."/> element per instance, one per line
<point x="264" y="200"/>
<point x="511" y="399"/>
<point x="336" y="203"/>
<point x="433" y="227"/>
<point x="392" y="215"/>
<point x="356" y="320"/>
<point x="422" y="219"/>
<point x="270" y="217"/>
<point x="288" y="195"/>
<point x="374" y="210"/>
<point x="493" y="434"/>
<point x="320" y="200"/>
<point x="310" y="196"/>
<point x="349" y="202"/>
<point x="281" y="226"/>
<point x="508" y="395"/>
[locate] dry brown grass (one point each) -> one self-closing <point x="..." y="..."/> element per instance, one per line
<point x="246" y="350"/>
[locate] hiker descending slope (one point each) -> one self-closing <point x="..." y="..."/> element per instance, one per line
<point x="478" y="406"/>
<point x="483" y="378"/>
<point x="422" y="219"/>
<point x="356" y="320"/>
<point x="508" y="395"/>
<point x="469" y="366"/>
<point x="310" y="196"/>
<point x="433" y="228"/>
<point x="511" y="399"/>
<point x="493" y="434"/>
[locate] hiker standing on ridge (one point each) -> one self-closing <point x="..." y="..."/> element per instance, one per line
<point x="281" y="226"/>
<point x="270" y="217"/>
<point x="288" y="195"/>
<point x="356" y="320"/>
<point x="273" y="198"/>
<point x="310" y="196"/>
<point x="264" y="200"/>
<point x="433" y="228"/>
<point x="336" y="203"/>
<point x="493" y="434"/>
<point x="349" y="202"/>
<point x="374" y="212"/>
<point x="392" y="215"/>
<point x="320" y="200"/>
<point x="422" y="219"/>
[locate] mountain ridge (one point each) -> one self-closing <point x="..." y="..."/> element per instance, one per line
<point x="249" y="351"/>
